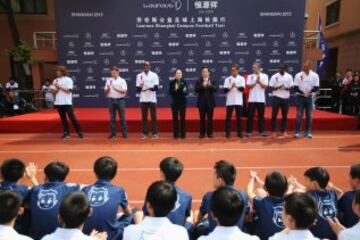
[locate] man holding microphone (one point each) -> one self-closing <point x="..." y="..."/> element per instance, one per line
<point x="115" y="90"/>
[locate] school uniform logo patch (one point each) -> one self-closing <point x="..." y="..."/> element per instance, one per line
<point x="277" y="218"/>
<point x="47" y="199"/>
<point x="327" y="207"/>
<point x="98" y="196"/>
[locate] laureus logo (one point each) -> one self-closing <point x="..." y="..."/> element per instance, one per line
<point x="168" y="4"/>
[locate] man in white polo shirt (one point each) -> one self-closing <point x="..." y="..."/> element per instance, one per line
<point x="147" y="83"/>
<point x="115" y="90"/>
<point x="10" y="208"/>
<point x="305" y="84"/>
<point x="74" y="210"/>
<point x="281" y="84"/>
<point x="62" y="88"/>
<point x="234" y="87"/>
<point x="160" y="200"/>
<point x="257" y="82"/>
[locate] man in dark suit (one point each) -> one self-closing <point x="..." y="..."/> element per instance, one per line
<point x="205" y="88"/>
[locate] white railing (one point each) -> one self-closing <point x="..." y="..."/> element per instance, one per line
<point x="44" y="40"/>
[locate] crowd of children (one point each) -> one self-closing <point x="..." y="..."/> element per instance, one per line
<point x="276" y="208"/>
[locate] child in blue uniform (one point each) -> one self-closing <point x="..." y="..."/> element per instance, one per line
<point x="105" y="200"/>
<point x="12" y="171"/>
<point x="224" y="175"/>
<point x="349" y="218"/>
<point x="325" y="195"/>
<point x="170" y="170"/>
<point x="45" y="199"/>
<point x="298" y="216"/>
<point x="267" y="207"/>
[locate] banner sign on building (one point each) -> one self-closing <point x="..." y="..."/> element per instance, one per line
<point x="93" y="36"/>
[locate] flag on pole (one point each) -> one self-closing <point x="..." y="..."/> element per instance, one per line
<point x="324" y="48"/>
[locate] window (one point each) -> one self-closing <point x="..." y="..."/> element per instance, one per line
<point x="333" y="13"/>
<point x="28" y="7"/>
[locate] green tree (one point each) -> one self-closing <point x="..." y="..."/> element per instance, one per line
<point x="18" y="46"/>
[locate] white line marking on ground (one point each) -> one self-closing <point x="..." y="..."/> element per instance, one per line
<point x="264" y="149"/>
<point x="142" y="169"/>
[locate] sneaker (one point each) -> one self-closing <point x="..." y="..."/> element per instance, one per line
<point x="124" y="136"/>
<point x="240" y="135"/>
<point x="112" y="136"/>
<point x="210" y="136"/>
<point x="201" y="136"/>
<point x="65" y="136"/>
<point x="308" y="135"/>
<point x="155" y="136"/>
<point x="263" y="134"/>
<point x="227" y="135"/>
<point x="81" y="135"/>
<point x="144" y="136"/>
<point x="248" y="135"/>
<point x="297" y="135"/>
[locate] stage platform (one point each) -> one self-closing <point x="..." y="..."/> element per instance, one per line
<point x="97" y="120"/>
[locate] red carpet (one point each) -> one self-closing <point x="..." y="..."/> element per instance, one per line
<point x="97" y="120"/>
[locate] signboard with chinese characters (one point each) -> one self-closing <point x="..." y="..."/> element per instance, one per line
<point x="94" y="36"/>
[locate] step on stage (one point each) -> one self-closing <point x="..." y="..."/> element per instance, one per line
<point x="97" y="120"/>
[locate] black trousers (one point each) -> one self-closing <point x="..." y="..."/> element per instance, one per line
<point x="206" y="120"/>
<point x="64" y="112"/>
<point x="145" y="106"/>
<point x="178" y="114"/>
<point x="238" y="112"/>
<point x="284" y="105"/>
<point x="260" y="107"/>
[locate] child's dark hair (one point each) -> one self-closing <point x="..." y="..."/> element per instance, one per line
<point x="227" y="206"/>
<point x="226" y="171"/>
<point x="161" y="195"/>
<point x="12" y="170"/>
<point x="105" y="168"/>
<point x="74" y="209"/>
<point x="357" y="197"/>
<point x="172" y="169"/>
<point x="56" y="171"/>
<point x="10" y="203"/>
<point x="276" y="184"/>
<point x="355" y="171"/>
<point x="302" y="208"/>
<point x="319" y="175"/>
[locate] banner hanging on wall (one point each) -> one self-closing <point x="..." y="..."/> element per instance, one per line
<point x="93" y="36"/>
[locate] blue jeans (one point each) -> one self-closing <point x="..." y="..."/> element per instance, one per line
<point x="117" y="105"/>
<point x="304" y="104"/>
